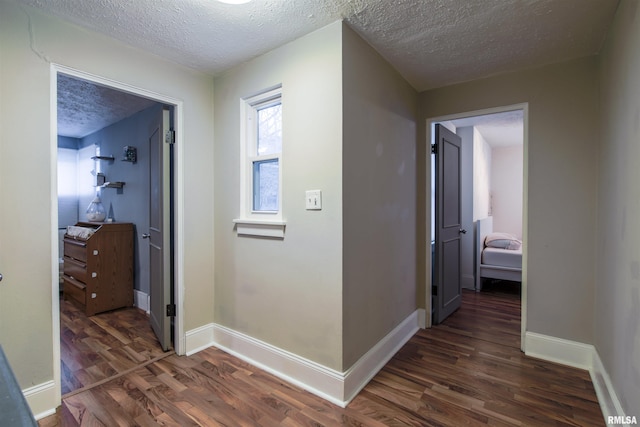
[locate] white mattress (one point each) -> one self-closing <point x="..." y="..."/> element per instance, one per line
<point x="502" y="257"/>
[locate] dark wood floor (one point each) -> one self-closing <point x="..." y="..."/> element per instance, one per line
<point x="96" y="348"/>
<point x="467" y="371"/>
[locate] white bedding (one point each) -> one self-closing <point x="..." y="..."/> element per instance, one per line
<point x="496" y="263"/>
<point x="502" y="257"/>
<point x="80" y="232"/>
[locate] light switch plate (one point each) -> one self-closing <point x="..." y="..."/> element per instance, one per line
<point x="314" y="200"/>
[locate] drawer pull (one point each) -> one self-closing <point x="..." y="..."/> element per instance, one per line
<point x="75" y="283"/>
<point x="94" y="274"/>
<point x="75" y="242"/>
<point x="74" y="261"/>
<point x="95" y="252"/>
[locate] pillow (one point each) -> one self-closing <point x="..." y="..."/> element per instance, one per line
<point x="502" y="241"/>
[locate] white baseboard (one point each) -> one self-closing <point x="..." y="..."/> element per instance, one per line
<point x="337" y="387"/>
<point x="141" y="300"/>
<point x="43" y="399"/>
<point x="370" y="364"/>
<point x="565" y="352"/>
<point x="468" y="281"/>
<point x="578" y="355"/>
<point x="607" y="397"/>
<point x="311" y="376"/>
<point x="198" y="339"/>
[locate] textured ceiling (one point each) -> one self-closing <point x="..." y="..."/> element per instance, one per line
<point x="432" y="43"/>
<point x="85" y="107"/>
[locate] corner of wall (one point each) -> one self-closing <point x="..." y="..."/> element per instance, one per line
<point x="581" y="356"/>
<point x="337" y="387"/>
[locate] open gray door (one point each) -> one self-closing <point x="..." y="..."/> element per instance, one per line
<point x="447" y="291"/>
<point x="161" y="308"/>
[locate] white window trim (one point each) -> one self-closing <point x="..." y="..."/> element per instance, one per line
<point x="251" y="222"/>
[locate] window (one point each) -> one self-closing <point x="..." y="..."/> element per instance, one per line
<point x="266" y="162"/>
<point x="261" y="170"/>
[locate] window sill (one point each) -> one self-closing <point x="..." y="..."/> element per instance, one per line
<point x="260" y="228"/>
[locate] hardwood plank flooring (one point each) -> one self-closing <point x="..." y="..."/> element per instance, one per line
<point x="96" y="348"/>
<point x="468" y="371"/>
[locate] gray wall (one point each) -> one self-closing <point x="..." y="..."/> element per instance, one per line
<point x="342" y="277"/>
<point x="287" y="292"/>
<point x="379" y="185"/>
<point x="617" y="293"/>
<point x="506" y="188"/>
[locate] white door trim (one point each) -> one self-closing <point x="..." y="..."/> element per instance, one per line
<point x="55" y="69"/>
<point x="525" y="196"/>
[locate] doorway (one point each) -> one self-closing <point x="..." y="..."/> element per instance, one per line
<point x="111" y="157"/>
<point x="505" y="129"/>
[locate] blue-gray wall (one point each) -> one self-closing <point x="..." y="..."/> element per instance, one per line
<point x="131" y="203"/>
<point x="68" y="142"/>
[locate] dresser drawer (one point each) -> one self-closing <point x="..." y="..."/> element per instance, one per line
<point x="75" y="249"/>
<point x="76" y="269"/>
<point x="74" y="289"/>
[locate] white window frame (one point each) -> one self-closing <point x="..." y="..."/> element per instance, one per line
<point x="252" y="222"/>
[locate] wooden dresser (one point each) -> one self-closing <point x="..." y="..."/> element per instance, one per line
<point x="98" y="269"/>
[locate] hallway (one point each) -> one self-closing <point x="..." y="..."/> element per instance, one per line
<point x="467" y="371"/>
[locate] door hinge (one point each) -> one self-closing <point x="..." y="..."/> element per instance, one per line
<point x="434" y="149"/>
<point x="171" y="310"/>
<point x="170" y="137"/>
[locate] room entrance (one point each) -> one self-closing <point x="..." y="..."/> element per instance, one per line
<point x="492" y="184"/>
<point x="126" y="164"/>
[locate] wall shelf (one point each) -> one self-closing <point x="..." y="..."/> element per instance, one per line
<point x="107" y="158"/>
<point x="113" y="184"/>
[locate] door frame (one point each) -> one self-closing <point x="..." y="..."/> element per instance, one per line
<point x="524" y="107"/>
<point x="178" y="208"/>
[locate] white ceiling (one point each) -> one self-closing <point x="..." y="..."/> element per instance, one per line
<point x="504" y="129"/>
<point x="432" y="43"/>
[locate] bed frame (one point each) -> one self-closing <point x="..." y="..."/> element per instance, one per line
<point x="484" y="271"/>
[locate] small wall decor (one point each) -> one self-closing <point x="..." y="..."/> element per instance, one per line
<point x="130" y="154"/>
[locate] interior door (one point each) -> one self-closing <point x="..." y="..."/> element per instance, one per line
<point x="159" y="230"/>
<point x="447" y="290"/>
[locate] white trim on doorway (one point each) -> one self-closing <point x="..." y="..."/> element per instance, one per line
<point x="179" y="340"/>
<point x="524" y="107"/>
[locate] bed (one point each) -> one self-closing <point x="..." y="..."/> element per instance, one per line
<point x="498" y="255"/>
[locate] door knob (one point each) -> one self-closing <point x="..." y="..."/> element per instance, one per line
<point x="463" y="231"/>
<point x="146" y="236"/>
<point x="0" y="277"/>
